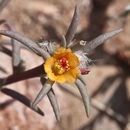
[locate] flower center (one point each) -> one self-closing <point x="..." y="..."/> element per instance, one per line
<point x="61" y="66"/>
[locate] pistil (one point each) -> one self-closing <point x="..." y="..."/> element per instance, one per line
<point x="61" y="66"/>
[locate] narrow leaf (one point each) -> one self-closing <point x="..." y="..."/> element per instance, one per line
<point x="21" y="98"/>
<point x="16" y="59"/>
<point x="63" y="41"/>
<point x="81" y="77"/>
<point x="84" y="94"/>
<point x="100" y="39"/>
<point x="54" y="104"/>
<point x="46" y="86"/>
<point x="73" y="26"/>
<point x="27" y="42"/>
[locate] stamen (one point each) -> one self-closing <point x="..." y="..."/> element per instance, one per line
<point x="61" y="66"/>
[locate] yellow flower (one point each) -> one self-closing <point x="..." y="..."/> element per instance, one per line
<point x="62" y="66"/>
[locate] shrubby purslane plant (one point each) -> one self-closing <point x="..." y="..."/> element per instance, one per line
<point x="65" y="63"/>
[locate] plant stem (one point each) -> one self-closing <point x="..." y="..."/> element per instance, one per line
<point x="35" y="72"/>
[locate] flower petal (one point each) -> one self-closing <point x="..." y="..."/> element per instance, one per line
<point x="73" y="73"/>
<point x="61" y="52"/>
<point x="73" y="60"/>
<point x="49" y="64"/>
<point x="69" y="77"/>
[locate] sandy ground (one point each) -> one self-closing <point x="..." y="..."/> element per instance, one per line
<point x="108" y="82"/>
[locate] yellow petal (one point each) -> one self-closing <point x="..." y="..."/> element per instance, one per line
<point x="73" y="60"/>
<point x="69" y="77"/>
<point x="49" y="64"/>
<point x="73" y="75"/>
<point x="61" y="52"/>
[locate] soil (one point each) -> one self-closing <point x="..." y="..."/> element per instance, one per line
<point x="108" y="81"/>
